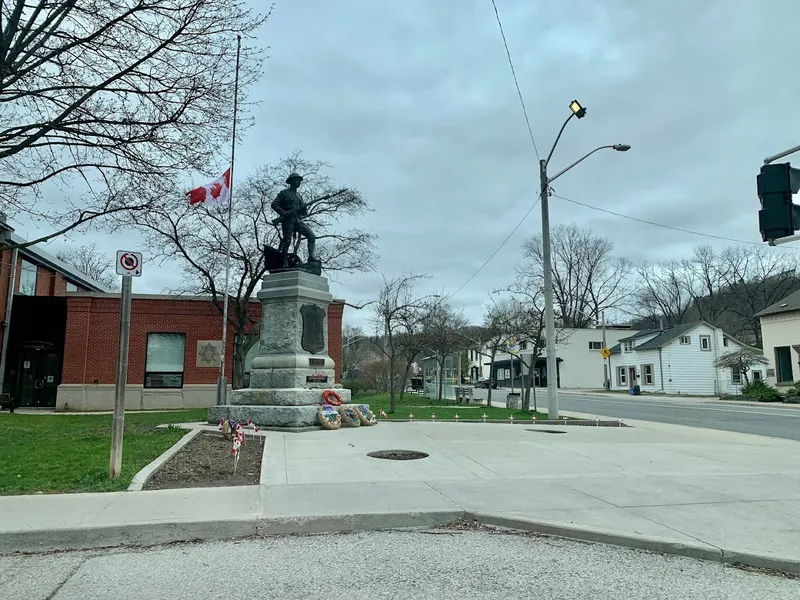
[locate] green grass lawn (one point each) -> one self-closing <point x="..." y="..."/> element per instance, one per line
<point x="423" y="408"/>
<point x="70" y="453"/>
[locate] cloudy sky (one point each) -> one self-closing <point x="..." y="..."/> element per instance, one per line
<point x="413" y="102"/>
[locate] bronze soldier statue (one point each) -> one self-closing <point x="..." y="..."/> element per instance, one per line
<point x="291" y="209"/>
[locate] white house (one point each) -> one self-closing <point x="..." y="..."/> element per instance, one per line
<point x="580" y="364"/>
<point x="678" y="360"/>
<point x="780" y="336"/>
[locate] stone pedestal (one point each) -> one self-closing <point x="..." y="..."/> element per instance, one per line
<point x="292" y="368"/>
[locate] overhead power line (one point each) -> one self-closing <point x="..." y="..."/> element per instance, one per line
<point x="500" y="247"/>
<point x="664" y="226"/>
<point x="514" y="75"/>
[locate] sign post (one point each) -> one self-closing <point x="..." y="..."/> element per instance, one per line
<point x="129" y="265"/>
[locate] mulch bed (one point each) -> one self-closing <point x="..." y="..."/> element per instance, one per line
<point x="206" y="461"/>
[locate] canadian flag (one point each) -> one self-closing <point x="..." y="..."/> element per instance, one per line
<point x="216" y="193"/>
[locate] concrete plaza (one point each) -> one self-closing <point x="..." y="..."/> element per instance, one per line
<point x="704" y="493"/>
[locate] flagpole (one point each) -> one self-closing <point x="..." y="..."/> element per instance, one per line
<point x="222" y="384"/>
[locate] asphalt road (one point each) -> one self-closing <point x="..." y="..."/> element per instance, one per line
<point x="437" y="564"/>
<point x="771" y="420"/>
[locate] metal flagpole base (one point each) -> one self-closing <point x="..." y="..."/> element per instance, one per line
<point x="222" y="391"/>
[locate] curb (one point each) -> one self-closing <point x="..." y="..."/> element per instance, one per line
<point x="138" y="481"/>
<point x="159" y="533"/>
<point x="137" y="534"/>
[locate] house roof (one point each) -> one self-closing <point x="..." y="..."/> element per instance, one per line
<point x="640" y="334"/>
<point x="668" y="335"/>
<point x="788" y="304"/>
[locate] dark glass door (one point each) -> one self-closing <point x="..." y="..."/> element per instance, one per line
<point x="38" y="378"/>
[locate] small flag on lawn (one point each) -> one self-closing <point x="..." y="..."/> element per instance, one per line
<point x="216" y="193"/>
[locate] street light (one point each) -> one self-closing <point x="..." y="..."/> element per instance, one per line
<point x="576" y="110"/>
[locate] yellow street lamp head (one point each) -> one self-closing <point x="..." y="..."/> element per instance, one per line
<point x="576" y="108"/>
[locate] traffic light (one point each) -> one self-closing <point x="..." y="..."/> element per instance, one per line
<point x="778" y="217"/>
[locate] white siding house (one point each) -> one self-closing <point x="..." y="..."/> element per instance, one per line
<point x="780" y="336"/>
<point x="580" y="364"/>
<point x="679" y="360"/>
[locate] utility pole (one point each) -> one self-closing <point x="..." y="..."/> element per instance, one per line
<point x="118" y="427"/>
<point x="605" y="360"/>
<point x="549" y="316"/>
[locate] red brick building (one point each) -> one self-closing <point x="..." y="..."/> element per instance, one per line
<point x="173" y="360"/>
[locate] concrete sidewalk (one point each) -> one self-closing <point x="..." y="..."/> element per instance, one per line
<point x="698" y="492"/>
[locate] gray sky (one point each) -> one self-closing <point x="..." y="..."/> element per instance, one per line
<point x="413" y="102"/>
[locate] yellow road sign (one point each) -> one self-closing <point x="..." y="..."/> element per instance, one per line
<point x="605" y="352"/>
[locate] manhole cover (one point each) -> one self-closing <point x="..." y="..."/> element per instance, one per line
<point x="397" y="454"/>
<point x="546" y="430"/>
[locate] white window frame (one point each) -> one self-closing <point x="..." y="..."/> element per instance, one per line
<point x="725" y="341"/>
<point x="734" y="373"/>
<point x="28" y="268"/>
<point x="686" y="340"/>
<point x="595" y="345"/>
<point x="627" y="346"/>
<point x="622" y="375"/>
<point x="647" y="374"/>
<point x="164" y="378"/>
<point x="707" y="339"/>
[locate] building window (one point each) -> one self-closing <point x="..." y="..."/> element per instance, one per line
<point x="164" y="365"/>
<point x="524" y="345"/>
<point x="756" y="375"/>
<point x="647" y="374"/>
<point x="595" y="345"/>
<point x="627" y="346"/>
<point x="71" y="287"/>
<point x="783" y="364"/>
<point x="725" y="342"/>
<point x="705" y="342"/>
<point x="621" y="375"/>
<point x="685" y="340"/>
<point x="736" y="376"/>
<point x="27" y="278"/>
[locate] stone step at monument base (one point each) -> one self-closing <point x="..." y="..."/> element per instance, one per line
<point x="269" y="417"/>
<point x="284" y="396"/>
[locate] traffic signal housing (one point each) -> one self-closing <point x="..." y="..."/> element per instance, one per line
<point x="778" y="217"/>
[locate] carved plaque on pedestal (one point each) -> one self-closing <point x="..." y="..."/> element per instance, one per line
<point x="313" y="337"/>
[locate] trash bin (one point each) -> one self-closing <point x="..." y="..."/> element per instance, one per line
<point x="636" y="390"/>
<point x="514" y="401"/>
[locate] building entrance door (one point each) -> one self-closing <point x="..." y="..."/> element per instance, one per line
<point x="37" y="385"/>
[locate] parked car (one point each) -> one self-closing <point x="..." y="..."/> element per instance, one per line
<point x="484" y="382"/>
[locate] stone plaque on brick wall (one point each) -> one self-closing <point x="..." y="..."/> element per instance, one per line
<point x="209" y="353"/>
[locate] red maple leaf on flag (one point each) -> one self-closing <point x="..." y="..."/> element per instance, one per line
<point x="215" y="189"/>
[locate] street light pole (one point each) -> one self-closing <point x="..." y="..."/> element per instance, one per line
<point x="549" y="315"/>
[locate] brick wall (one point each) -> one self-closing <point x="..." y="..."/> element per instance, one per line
<point x="90" y="351"/>
<point x="335" y="312"/>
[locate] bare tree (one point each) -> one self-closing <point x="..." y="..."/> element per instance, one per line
<point x="726" y="288"/>
<point x="195" y="237"/>
<point x="497" y="334"/>
<point x="114" y="94"/>
<point x="91" y="261"/>
<point x="662" y="292"/>
<point x="441" y="334"/>
<point x="587" y="278"/>
<point x="393" y="313"/>
<point x="741" y="361"/>
<point x="755" y="277"/>
<point x="356" y="352"/>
